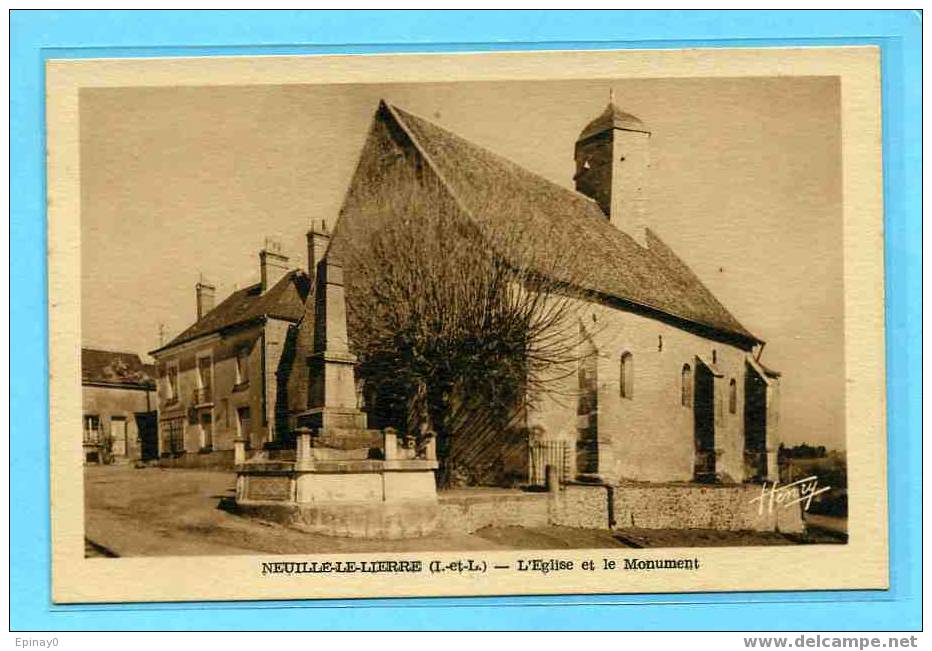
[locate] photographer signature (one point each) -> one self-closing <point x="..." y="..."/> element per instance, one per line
<point x="776" y="495"/>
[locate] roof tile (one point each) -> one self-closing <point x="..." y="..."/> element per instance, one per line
<point x="557" y="220"/>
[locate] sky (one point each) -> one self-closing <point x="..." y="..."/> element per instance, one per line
<point x="745" y="185"/>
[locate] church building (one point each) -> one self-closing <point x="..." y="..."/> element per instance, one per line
<point x="669" y="385"/>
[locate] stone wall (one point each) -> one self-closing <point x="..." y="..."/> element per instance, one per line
<point x="702" y="507"/>
<point x="595" y="506"/>
<point x="648" y="436"/>
<point x="469" y="513"/>
<point x="585" y="507"/>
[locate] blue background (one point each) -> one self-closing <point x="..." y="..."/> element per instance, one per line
<point x="40" y="35"/>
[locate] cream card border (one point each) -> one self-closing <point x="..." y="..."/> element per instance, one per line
<point x="862" y="563"/>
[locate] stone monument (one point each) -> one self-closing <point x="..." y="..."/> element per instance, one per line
<point x="345" y="479"/>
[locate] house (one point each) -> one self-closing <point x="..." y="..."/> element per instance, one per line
<point x="669" y="385"/>
<point x="118" y="393"/>
<point x="227" y="376"/>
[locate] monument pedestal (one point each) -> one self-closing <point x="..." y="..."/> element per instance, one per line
<point x="343" y="491"/>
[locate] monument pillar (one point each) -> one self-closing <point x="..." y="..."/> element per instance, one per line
<point x="332" y="399"/>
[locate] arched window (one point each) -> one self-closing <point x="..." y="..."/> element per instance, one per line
<point x="686" y="386"/>
<point x="732" y="397"/>
<point x="627" y="376"/>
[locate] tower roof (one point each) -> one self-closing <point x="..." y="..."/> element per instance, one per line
<point x="613" y="118"/>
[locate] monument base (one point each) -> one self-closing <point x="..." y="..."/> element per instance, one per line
<point x="359" y="498"/>
<point x="382" y="521"/>
<point x="331" y="418"/>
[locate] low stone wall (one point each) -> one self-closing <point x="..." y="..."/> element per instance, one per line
<point x="596" y="506"/>
<point x="582" y="505"/>
<point x="702" y="507"/>
<point x="464" y="513"/>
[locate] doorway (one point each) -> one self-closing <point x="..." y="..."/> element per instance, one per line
<point x="147" y="425"/>
<point x="755" y="425"/>
<point x="118" y="436"/>
<point x="207" y="431"/>
<point x="704" y="424"/>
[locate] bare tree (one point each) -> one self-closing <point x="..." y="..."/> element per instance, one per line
<point x="458" y="327"/>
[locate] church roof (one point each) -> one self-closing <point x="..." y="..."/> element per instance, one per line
<point x="613" y="118"/>
<point x="285" y="300"/>
<point x="555" y="220"/>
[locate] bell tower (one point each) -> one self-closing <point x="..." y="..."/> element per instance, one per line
<point x="612" y="163"/>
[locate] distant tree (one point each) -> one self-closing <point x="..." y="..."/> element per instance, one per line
<point x="803" y="451"/>
<point x="452" y="323"/>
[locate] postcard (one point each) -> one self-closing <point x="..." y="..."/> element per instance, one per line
<point x="466" y="324"/>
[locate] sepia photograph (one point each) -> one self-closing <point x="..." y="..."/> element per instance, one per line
<point x="474" y="316"/>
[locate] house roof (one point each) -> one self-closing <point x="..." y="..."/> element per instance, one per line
<point x="572" y="239"/>
<point x="285" y="300"/>
<point x="613" y="118"/>
<point x="115" y="368"/>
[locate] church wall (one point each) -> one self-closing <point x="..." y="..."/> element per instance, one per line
<point x="649" y="436"/>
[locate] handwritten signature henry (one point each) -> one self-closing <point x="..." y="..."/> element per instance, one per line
<point x="802" y="490"/>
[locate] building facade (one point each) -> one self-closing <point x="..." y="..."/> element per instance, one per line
<point x="118" y="394"/>
<point x="227" y="376"/>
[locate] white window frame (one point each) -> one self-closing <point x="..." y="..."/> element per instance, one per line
<point x="197" y="368"/>
<point x="208" y="354"/>
<point x="242" y="356"/>
<point x="97" y="430"/>
<point x="172" y="393"/>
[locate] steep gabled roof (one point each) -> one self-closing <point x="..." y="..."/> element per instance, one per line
<point x="607" y="260"/>
<point x="115" y="368"/>
<point x="285" y="300"/>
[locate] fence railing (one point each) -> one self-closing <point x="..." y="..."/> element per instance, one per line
<point x="548" y="453"/>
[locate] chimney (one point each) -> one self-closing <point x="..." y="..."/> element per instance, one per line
<point x="318" y="239"/>
<point x="205" y="297"/>
<point x="273" y="264"/>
